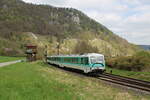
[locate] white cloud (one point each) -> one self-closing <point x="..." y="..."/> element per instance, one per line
<point x="107" y="19"/>
<point x="132" y="2"/>
<point x="136" y="28"/>
<point x="127" y="18"/>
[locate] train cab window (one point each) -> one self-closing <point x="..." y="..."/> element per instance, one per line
<point x="96" y="59"/>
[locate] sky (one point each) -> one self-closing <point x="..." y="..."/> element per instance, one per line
<point x="129" y="19"/>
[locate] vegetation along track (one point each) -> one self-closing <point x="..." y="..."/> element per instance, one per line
<point x="125" y="81"/>
<point x="140" y="85"/>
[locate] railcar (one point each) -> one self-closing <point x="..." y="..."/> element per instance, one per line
<point x="89" y="63"/>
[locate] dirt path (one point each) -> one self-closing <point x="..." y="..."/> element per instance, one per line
<point x="9" y="63"/>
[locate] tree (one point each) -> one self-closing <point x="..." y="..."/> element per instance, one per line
<point x="85" y="47"/>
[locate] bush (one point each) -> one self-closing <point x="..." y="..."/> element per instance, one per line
<point x="138" y="62"/>
<point x="85" y="47"/>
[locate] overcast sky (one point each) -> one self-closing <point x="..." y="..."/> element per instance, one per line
<point x="129" y="19"/>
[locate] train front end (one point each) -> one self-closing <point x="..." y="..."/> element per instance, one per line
<point x="97" y="63"/>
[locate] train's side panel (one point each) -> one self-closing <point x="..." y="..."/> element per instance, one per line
<point x="80" y="64"/>
<point x="62" y="63"/>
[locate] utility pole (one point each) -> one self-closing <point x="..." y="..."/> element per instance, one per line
<point x="59" y="40"/>
<point x="58" y="48"/>
<point x="45" y="53"/>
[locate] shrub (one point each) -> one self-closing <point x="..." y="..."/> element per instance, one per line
<point x="138" y="62"/>
<point x="85" y="47"/>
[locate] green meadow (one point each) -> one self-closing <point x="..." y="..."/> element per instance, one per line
<point x="138" y="75"/>
<point x="6" y="59"/>
<point x="39" y="81"/>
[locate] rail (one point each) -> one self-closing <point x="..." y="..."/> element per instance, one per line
<point x="126" y="81"/>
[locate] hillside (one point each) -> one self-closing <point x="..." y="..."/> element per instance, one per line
<point x="20" y="21"/>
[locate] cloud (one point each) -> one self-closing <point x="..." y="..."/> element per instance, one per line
<point x="107" y="19"/>
<point x="135" y="28"/>
<point x="127" y="18"/>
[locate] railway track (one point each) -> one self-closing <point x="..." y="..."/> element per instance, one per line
<point x="135" y="84"/>
<point x="143" y="86"/>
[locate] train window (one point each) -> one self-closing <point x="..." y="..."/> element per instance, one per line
<point x="65" y="60"/>
<point x="61" y="59"/>
<point x="82" y="60"/>
<point x="69" y="60"/>
<point x="75" y="60"/>
<point x="78" y="60"/>
<point x="96" y="59"/>
<point x="86" y="60"/>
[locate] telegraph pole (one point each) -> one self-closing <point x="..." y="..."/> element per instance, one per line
<point x="58" y="48"/>
<point x="45" y="53"/>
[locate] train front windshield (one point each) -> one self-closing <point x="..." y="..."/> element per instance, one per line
<point x="97" y="59"/>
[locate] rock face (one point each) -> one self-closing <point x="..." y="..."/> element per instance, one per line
<point x="56" y="24"/>
<point x="76" y="19"/>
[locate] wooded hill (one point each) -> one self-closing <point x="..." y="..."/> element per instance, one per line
<point x="65" y="25"/>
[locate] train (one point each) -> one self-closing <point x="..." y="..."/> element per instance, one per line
<point x="88" y="63"/>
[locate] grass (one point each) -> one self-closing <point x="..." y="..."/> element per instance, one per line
<point x="39" y="81"/>
<point x="6" y="59"/>
<point x="138" y="75"/>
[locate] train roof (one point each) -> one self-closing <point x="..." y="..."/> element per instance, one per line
<point x="82" y="55"/>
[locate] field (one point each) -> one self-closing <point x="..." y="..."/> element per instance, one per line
<point x="6" y="59"/>
<point x="138" y="75"/>
<point x="39" y="81"/>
